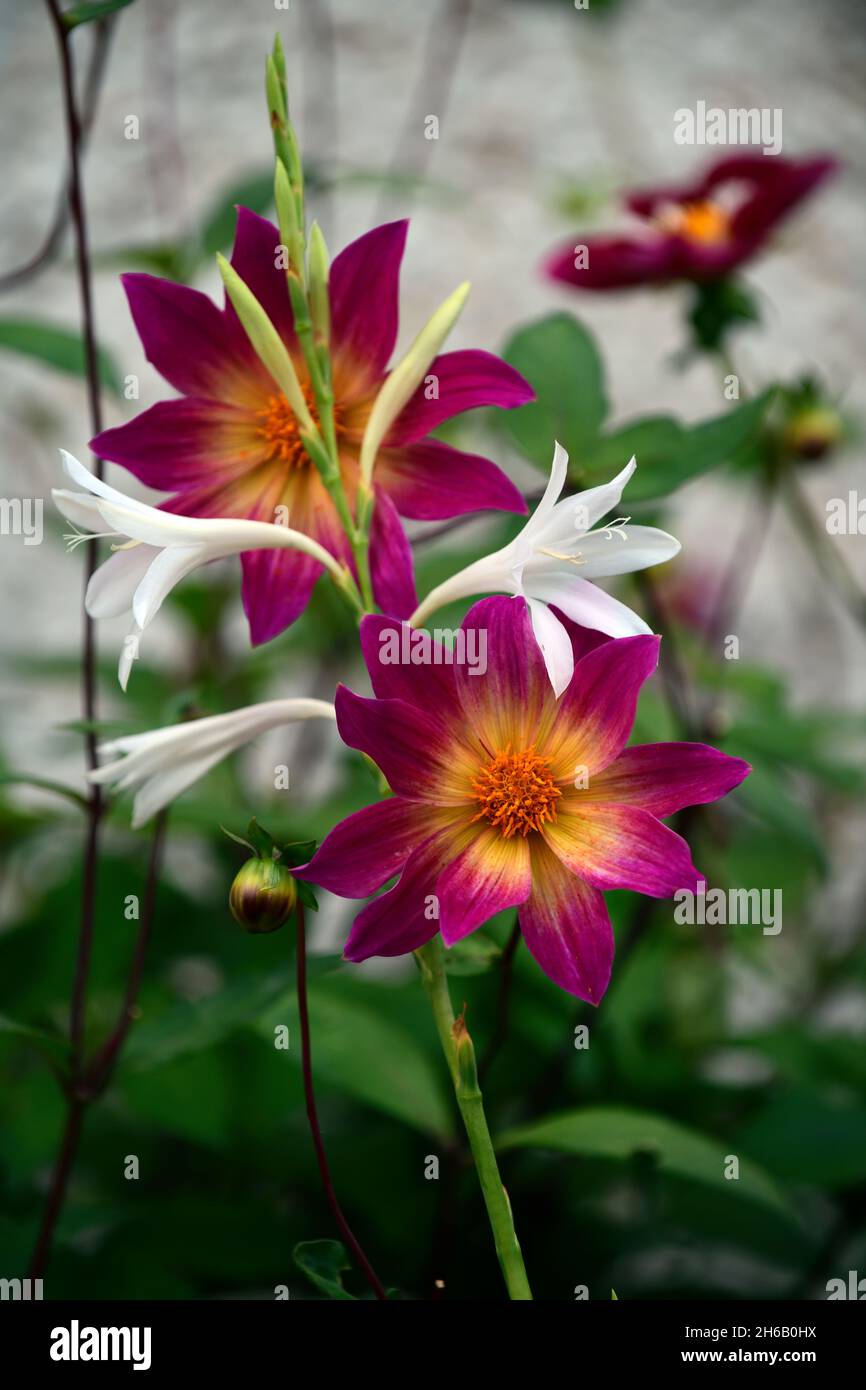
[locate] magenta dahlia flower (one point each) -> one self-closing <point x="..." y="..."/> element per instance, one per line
<point x="230" y="446"/>
<point x="700" y="232"/>
<point x="505" y="796"/>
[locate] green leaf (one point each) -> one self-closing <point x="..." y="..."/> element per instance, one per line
<point x="297" y="852"/>
<point x="23" y="779"/>
<point x="58" y="347"/>
<point x="306" y="894"/>
<point x="701" y="448"/>
<point x="51" y="1045"/>
<point x="717" y="307"/>
<point x="255" y="192"/>
<point x="86" y="12"/>
<point x="323" y="1262"/>
<point x="359" y="1050"/>
<point x="472" y="956"/>
<point x="559" y="359"/>
<point x="621" y="1134"/>
<point x="653" y="441"/>
<point x="809" y="1137"/>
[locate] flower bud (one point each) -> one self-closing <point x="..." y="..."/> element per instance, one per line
<point x="813" y="432"/>
<point x="263" y="895"/>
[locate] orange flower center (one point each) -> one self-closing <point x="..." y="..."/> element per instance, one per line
<point x="280" y="430"/>
<point x="705" y="221"/>
<point x="516" y="792"/>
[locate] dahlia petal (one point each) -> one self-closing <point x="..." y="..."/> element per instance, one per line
<point x="621" y="847"/>
<point x="425" y="679"/>
<point x="276" y="589"/>
<point x="511" y="703"/>
<point x="596" y="713"/>
<point x="465" y="380"/>
<point x="407" y="745"/>
<point x="491" y="874"/>
<point x="566" y="927"/>
<point x="187" y="443"/>
<point x="364" y="288"/>
<point x="368" y="848"/>
<point x="664" y="777"/>
<point x="391" y="561"/>
<point x="404" y="918"/>
<point x="183" y="334"/>
<point x="278" y="583"/>
<point x="432" y="480"/>
<point x="614" y="263"/>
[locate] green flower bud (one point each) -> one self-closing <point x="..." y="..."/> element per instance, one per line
<point x="263" y="895"/>
<point x="813" y="432"/>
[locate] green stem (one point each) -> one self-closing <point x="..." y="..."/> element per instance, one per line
<point x="471" y="1104"/>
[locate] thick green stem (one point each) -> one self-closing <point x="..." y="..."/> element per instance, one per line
<point x="461" y="1064"/>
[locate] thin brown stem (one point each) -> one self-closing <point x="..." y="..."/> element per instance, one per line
<point x="313" y="1115"/>
<point x="88" y="665"/>
<point x="102" y="1066"/>
<point x="53" y="240"/>
<point x="59" y="1184"/>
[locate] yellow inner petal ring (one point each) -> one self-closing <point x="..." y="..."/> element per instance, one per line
<point x="516" y="792"/>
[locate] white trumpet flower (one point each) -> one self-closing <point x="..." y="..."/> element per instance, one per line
<point x="162" y="763"/>
<point x="157" y="549"/>
<point x="553" y="560"/>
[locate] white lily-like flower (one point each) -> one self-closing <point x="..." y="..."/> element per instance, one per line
<point x="554" y="559"/>
<point x="162" y="763"/>
<point x="157" y="549"/>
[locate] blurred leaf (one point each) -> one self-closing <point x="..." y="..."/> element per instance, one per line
<point x="677" y="1151"/>
<point x="255" y="191"/>
<point x="717" y="307"/>
<point x="701" y="448"/>
<point x="653" y="441"/>
<point x="22" y="779"/>
<point x="359" y="1050"/>
<point x="56" y="346"/>
<point x="89" y="10"/>
<point x="51" y="1045"/>
<point x="473" y="955"/>
<point x="808" y="1136"/>
<point x="323" y="1262"/>
<point x="559" y="359"/>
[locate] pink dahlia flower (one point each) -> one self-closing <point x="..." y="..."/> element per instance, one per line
<point x="506" y="797"/>
<point x="700" y="232"/>
<point x="230" y="446"/>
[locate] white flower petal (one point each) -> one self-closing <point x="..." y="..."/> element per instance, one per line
<point x="168" y="568"/>
<point x="576" y="515"/>
<point x="590" y="606"/>
<point x="642" y="547"/>
<point x="111" y="587"/>
<point x="77" y="507"/>
<point x="129" y="653"/>
<point x="555" y="484"/>
<point x="164" y="762"/>
<point x="555" y="645"/>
